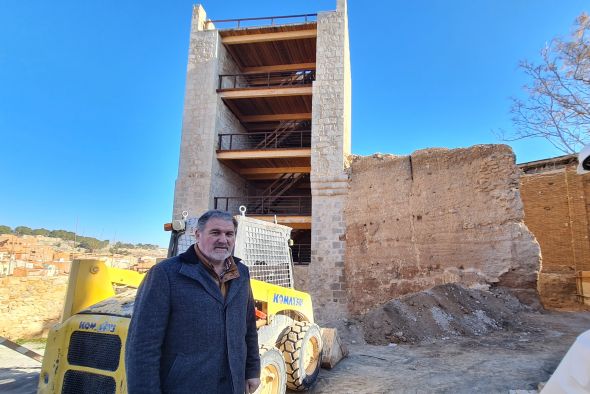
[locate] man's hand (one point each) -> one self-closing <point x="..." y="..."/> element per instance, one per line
<point x="252" y="385"/>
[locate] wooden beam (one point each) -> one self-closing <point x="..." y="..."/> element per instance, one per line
<point x="269" y="126"/>
<point x="295" y="222"/>
<point x="266" y="37"/>
<point x="275" y="117"/>
<point x="232" y="107"/>
<point x="235" y="57"/>
<point x="263" y="177"/>
<point x="264" y="92"/>
<point x="279" y="67"/>
<point x="263" y="154"/>
<point x="274" y="170"/>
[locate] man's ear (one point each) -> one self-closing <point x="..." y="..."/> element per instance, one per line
<point x="197" y="236"/>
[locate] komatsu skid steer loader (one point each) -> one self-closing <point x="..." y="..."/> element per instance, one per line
<point x="85" y="352"/>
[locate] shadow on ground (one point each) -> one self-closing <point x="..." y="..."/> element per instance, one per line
<point x="18" y="380"/>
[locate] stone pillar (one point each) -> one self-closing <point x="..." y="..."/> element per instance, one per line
<point x="330" y="151"/>
<point x="198" y="121"/>
<point x="200" y="175"/>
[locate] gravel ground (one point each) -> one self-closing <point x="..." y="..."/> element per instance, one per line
<point x="495" y="362"/>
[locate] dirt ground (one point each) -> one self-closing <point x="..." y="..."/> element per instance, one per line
<point x="449" y="310"/>
<point x="446" y="340"/>
<point x="452" y="340"/>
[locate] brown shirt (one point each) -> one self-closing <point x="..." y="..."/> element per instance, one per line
<point x="230" y="271"/>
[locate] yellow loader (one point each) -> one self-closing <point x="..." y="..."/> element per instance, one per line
<point x="85" y="352"/>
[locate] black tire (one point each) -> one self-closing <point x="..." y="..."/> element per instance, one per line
<point x="273" y="372"/>
<point x="301" y="345"/>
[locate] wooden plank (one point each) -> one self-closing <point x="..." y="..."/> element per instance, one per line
<point x="295" y="222"/>
<point x="264" y="92"/>
<point x="235" y="56"/>
<point x="279" y="67"/>
<point x="21" y="349"/>
<point x="583" y="286"/>
<point x="263" y="154"/>
<point x="265" y="37"/>
<point x="274" y="170"/>
<point x="233" y="109"/>
<point x="334" y="349"/>
<point x="275" y="117"/>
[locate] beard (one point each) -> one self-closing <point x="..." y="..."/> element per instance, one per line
<point x="218" y="254"/>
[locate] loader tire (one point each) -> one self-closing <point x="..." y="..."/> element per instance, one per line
<point x="301" y="345"/>
<point x="273" y="373"/>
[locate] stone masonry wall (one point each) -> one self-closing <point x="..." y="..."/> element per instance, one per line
<point x="227" y="182"/>
<point x="437" y="216"/>
<point x="555" y="211"/>
<point x="330" y="148"/>
<point x="193" y="184"/>
<point x="204" y="117"/>
<point x="30" y="306"/>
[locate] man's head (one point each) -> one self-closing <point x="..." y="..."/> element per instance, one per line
<point x="216" y="235"/>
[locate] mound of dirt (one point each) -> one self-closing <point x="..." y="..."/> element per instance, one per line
<point x="443" y="311"/>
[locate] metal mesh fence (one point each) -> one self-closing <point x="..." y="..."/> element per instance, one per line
<point x="187" y="238"/>
<point x="262" y="246"/>
<point x="265" y="250"/>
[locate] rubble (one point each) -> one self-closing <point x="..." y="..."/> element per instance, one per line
<point x="442" y="312"/>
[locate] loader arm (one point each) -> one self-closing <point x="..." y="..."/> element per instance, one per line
<point x="91" y="281"/>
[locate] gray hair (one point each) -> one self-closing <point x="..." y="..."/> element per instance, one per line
<point x="215" y="214"/>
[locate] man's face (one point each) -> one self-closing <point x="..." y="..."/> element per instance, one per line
<point x="217" y="239"/>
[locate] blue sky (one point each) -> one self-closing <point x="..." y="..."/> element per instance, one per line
<point x="91" y="94"/>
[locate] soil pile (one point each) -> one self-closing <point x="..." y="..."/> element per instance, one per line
<point x="444" y="311"/>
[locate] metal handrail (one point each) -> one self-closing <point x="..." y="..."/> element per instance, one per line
<point x="306" y="18"/>
<point x="266" y="80"/>
<point x="266" y="205"/>
<point x="264" y="140"/>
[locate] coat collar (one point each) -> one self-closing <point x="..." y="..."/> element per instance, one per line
<point x="193" y="268"/>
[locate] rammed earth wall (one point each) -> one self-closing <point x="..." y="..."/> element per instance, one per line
<point x="437" y="216"/>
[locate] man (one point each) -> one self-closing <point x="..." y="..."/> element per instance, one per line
<point x="193" y="328"/>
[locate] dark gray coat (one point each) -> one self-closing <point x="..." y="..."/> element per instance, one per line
<point x="185" y="338"/>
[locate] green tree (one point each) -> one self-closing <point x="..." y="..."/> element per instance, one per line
<point x="67" y="235"/>
<point x="41" y="231"/>
<point x="5" y="230"/>
<point x="120" y="245"/>
<point x="90" y="243"/>
<point x="23" y="230"/>
<point x="85" y="245"/>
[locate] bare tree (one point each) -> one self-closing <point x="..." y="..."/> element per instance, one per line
<point x="558" y="104"/>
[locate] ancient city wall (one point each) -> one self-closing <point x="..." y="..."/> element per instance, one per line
<point x="437" y="216"/>
<point x="30" y="306"/>
<point x="555" y="211"/>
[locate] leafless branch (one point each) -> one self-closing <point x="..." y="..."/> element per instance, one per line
<point x="558" y="104"/>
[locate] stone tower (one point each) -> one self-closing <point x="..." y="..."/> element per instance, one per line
<point x="267" y="124"/>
